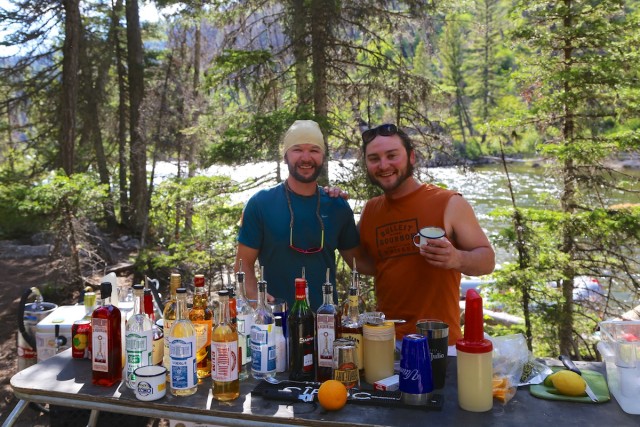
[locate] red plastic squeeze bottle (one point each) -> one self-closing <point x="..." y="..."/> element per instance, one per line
<point x="474" y="359"/>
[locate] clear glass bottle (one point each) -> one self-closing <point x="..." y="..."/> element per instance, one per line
<point x="158" y="335"/>
<point x="224" y="354"/>
<point x="244" y="320"/>
<point x="263" y="343"/>
<point x="202" y="318"/>
<point x="138" y="337"/>
<point x="351" y="327"/>
<point x="302" y="331"/>
<point x="106" y="360"/>
<point x="182" y="344"/>
<point x="169" y="316"/>
<point x="281" y="346"/>
<point x="328" y="324"/>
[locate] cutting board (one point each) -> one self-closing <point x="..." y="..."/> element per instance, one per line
<point x="596" y="381"/>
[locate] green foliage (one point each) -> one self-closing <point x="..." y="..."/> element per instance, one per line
<point x="208" y="246"/>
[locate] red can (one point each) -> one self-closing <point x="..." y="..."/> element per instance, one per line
<point x="81" y="339"/>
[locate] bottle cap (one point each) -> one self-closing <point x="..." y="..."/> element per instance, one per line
<point x="474" y="340"/>
<point x="105" y="290"/>
<point x="181" y="291"/>
<point x="223" y="293"/>
<point x="138" y="286"/>
<point x="198" y="280"/>
<point x="278" y="320"/>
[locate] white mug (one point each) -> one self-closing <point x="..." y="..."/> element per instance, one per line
<point x="427" y="233"/>
<point x="150" y="383"/>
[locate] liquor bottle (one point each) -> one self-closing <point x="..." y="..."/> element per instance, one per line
<point x="351" y="327"/>
<point x="281" y="346"/>
<point x="328" y="324"/>
<point x="139" y="337"/>
<point x="202" y="318"/>
<point x="263" y="345"/>
<point x="355" y="283"/>
<point x="182" y="354"/>
<point x="169" y="316"/>
<point x="302" y="330"/>
<point x="158" y="335"/>
<point x="106" y="361"/>
<point x="244" y="321"/>
<point x="224" y="354"/>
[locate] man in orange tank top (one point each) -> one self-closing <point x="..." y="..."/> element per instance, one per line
<point x="413" y="282"/>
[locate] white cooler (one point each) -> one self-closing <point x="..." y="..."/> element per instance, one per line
<point x="63" y="318"/>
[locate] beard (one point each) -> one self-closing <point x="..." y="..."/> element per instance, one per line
<point x="293" y="171"/>
<point x="401" y="177"/>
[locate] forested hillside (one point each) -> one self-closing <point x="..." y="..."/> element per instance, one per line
<point x="92" y="98"/>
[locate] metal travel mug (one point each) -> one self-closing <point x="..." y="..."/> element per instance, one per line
<point x="345" y="368"/>
<point x="437" y="334"/>
<point x="416" y="382"/>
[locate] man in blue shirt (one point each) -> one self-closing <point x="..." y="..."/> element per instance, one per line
<point x="296" y="224"/>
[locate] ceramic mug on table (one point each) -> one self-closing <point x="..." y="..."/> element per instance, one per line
<point x="427" y="233"/>
<point x="150" y="383"/>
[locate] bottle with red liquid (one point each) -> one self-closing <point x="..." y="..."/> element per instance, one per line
<point x="302" y="329"/>
<point x="327" y="321"/>
<point x="106" y="361"/>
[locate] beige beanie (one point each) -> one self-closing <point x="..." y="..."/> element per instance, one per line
<point x="303" y="132"/>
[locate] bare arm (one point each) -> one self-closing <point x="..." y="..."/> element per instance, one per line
<point x="473" y="254"/>
<point x="364" y="263"/>
<point x="249" y="256"/>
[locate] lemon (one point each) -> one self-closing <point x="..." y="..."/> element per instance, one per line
<point x="569" y="383"/>
<point x="80" y="341"/>
<point x="547" y="381"/>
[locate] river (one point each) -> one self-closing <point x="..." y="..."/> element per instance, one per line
<point x="485" y="187"/>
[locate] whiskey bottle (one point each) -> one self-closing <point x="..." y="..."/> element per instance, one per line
<point x="328" y="323"/>
<point x="302" y="330"/>
<point x="106" y="361"/>
<point x="202" y="318"/>
<point x="138" y="337"/>
<point x="182" y="344"/>
<point x="169" y="316"/>
<point x="224" y="354"/>
<point x="351" y="327"/>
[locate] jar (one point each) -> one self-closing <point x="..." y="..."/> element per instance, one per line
<point x="379" y="348"/>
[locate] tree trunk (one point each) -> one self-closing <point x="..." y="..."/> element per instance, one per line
<point x="321" y="13"/>
<point x="191" y="152"/>
<point x="123" y="162"/>
<point x="71" y="52"/>
<point x="137" y="147"/>
<point x="299" y="20"/>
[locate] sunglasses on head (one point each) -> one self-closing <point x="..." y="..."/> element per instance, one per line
<point x="387" y="129"/>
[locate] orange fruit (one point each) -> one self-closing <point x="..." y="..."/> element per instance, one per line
<point x="332" y="395"/>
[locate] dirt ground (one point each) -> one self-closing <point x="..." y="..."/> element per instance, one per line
<point x="17" y="275"/>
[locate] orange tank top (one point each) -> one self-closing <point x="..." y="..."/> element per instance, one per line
<point x="406" y="286"/>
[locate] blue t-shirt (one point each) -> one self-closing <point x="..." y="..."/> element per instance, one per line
<point x="265" y="226"/>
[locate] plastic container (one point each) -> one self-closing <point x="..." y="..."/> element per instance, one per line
<point x="379" y="347"/>
<point x="474" y="359"/>
<point x="620" y="350"/>
<point x="62" y="319"/>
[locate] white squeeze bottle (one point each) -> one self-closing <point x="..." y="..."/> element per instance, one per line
<point x="474" y="359"/>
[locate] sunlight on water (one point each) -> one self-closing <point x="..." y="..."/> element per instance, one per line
<point x="484" y="187"/>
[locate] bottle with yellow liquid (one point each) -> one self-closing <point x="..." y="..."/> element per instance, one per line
<point x="182" y="344"/>
<point x="202" y="318"/>
<point x="169" y="316"/>
<point x="224" y="354"/>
